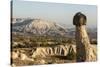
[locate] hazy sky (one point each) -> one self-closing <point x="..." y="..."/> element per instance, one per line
<point x="57" y="12"/>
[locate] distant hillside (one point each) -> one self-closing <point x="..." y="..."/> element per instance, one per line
<point x="31" y="26"/>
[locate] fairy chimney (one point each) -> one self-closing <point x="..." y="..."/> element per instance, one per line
<point x="82" y="40"/>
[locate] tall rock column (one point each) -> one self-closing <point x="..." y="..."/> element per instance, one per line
<point x="82" y="40"/>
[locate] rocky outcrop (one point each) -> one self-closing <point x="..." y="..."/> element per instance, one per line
<point x="20" y="55"/>
<point x="61" y="50"/>
<point x="67" y="52"/>
<point x="93" y="53"/>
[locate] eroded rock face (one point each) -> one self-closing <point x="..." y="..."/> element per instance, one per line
<point x="61" y="50"/>
<point x="44" y="52"/>
<point x="20" y="55"/>
<point x="93" y="53"/>
<point x="14" y="55"/>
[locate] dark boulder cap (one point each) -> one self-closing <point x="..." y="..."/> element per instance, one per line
<point x="79" y="19"/>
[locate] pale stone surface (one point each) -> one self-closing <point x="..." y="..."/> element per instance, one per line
<point x="83" y="47"/>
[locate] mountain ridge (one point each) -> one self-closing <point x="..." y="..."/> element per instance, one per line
<point x="38" y="26"/>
